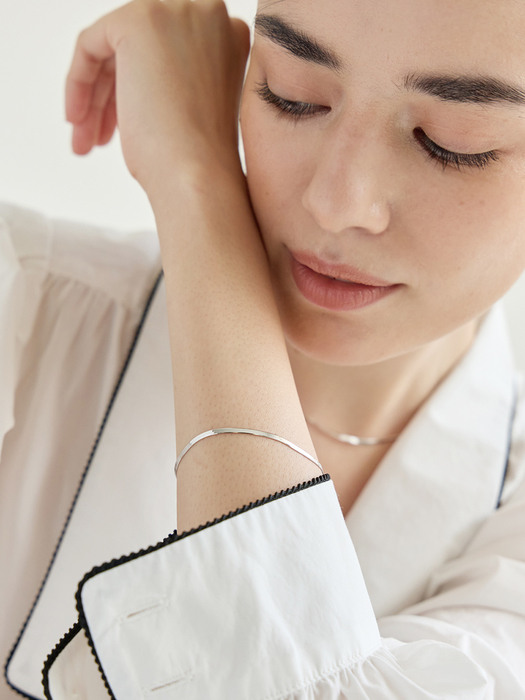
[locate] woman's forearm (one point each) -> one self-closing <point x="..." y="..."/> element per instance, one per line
<point x="230" y="364"/>
<point x="170" y="74"/>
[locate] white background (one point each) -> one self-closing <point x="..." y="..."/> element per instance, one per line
<point x="37" y="168"/>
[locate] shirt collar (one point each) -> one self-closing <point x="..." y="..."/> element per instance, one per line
<point x="441" y="479"/>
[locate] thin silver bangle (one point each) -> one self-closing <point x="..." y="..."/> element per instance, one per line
<point x="245" y="431"/>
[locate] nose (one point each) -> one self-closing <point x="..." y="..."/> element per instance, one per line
<point x="347" y="187"/>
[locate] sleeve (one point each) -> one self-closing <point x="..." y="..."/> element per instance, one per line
<point x="269" y="603"/>
<point x="71" y="298"/>
<point x="45" y="262"/>
<point x="19" y="297"/>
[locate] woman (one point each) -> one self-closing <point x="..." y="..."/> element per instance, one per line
<point x="346" y="291"/>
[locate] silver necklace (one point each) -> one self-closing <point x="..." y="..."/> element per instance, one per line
<point x="353" y="440"/>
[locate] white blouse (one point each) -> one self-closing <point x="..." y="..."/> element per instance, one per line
<point x="418" y="594"/>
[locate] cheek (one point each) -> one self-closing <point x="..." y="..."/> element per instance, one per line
<point x="468" y="235"/>
<point x="275" y="169"/>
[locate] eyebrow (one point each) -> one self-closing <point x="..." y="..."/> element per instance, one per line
<point x="463" y="89"/>
<point x="473" y="90"/>
<point x="296" y="42"/>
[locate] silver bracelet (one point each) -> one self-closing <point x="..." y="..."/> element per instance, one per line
<point x="244" y="431"/>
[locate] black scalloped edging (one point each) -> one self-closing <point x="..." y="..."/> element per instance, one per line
<point x="72" y="632"/>
<point x="174" y="537"/>
<point x="118" y="384"/>
<point x="170" y="539"/>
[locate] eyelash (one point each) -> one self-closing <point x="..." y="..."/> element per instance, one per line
<point x="292" y="110"/>
<point x="299" y="110"/>
<point x="452" y="159"/>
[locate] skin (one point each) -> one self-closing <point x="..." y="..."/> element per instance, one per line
<point x="354" y="185"/>
<point x="350" y="184"/>
<point x="175" y="70"/>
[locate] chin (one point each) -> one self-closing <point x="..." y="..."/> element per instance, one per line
<point x="338" y="344"/>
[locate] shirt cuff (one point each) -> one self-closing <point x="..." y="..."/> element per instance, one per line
<point x="261" y="603"/>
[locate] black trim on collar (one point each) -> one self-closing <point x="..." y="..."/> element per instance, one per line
<point x="170" y="539"/>
<point x="69" y="635"/>
<point x="509" y="442"/>
<point x="118" y="384"/>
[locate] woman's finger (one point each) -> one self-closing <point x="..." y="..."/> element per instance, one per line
<point x="102" y="96"/>
<point x="93" y="48"/>
<point x="83" y="134"/>
<point x="98" y="114"/>
<point x="109" y="123"/>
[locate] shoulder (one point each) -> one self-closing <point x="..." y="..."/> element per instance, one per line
<point x="119" y="264"/>
<point x="67" y="290"/>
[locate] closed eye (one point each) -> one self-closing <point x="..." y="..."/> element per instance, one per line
<point x="296" y="110"/>
<point x="451" y="158"/>
<point x="292" y="109"/>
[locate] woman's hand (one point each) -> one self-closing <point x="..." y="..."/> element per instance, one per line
<point x="175" y="69"/>
<point x="169" y="74"/>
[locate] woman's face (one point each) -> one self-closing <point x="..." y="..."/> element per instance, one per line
<point x="385" y="146"/>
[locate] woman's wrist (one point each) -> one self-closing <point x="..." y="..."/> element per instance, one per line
<point x="202" y="203"/>
<point x="190" y="173"/>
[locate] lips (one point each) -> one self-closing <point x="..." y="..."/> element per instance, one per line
<point x="338" y="271"/>
<point x="336" y="286"/>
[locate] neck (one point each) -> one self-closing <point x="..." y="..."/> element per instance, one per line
<point x="379" y="399"/>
